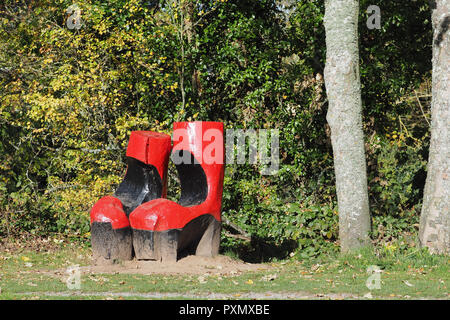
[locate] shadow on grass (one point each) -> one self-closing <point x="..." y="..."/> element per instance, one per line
<point x="260" y="250"/>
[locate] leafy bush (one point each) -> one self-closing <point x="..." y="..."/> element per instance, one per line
<point x="70" y="99"/>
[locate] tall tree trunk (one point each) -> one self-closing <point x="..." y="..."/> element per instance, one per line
<point x="434" y="229"/>
<point x="343" y="87"/>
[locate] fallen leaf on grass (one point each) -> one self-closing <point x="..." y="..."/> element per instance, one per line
<point x="249" y="281"/>
<point x="101" y="279"/>
<point x="368" y="295"/>
<point x="407" y="283"/>
<point x="201" y="279"/>
<point x="269" y="277"/>
<point x="315" y="267"/>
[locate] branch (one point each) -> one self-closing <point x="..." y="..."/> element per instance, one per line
<point x="237" y="236"/>
<point x="204" y="15"/>
<point x="242" y="233"/>
<point x="421" y="109"/>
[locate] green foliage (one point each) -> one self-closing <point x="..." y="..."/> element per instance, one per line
<point x="401" y="173"/>
<point x="70" y="99"/>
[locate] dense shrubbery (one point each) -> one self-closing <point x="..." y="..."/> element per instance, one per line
<point x="70" y="98"/>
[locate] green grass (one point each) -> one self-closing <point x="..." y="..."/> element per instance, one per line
<point x="412" y="274"/>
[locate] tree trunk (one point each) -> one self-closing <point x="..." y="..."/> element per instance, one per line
<point x="343" y="87"/>
<point x="434" y="229"/>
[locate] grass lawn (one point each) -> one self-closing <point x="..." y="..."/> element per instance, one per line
<point x="414" y="274"/>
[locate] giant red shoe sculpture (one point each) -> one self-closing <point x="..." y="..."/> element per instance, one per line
<point x="163" y="229"/>
<point x="146" y="179"/>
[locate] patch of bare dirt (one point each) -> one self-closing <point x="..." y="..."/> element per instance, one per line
<point x="220" y="265"/>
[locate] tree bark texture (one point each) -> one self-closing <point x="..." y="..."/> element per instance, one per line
<point x="342" y="82"/>
<point x="434" y="229"/>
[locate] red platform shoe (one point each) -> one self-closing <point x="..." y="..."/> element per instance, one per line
<point x="163" y="229"/>
<point x="146" y="179"/>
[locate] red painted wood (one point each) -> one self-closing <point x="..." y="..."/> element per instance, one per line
<point x="149" y="147"/>
<point x="109" y="209"/>
<point x="163" y="214"/>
